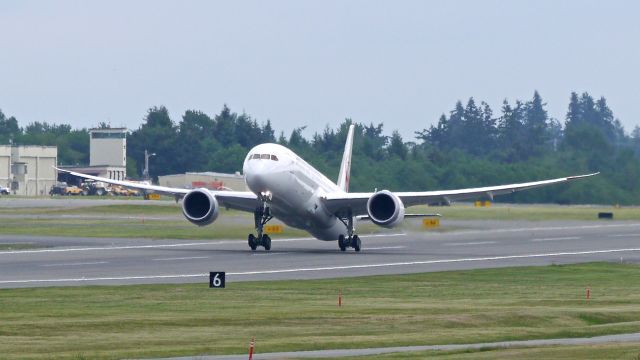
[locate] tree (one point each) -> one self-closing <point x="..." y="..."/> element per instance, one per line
<point x="157" y="134"/>
<point x="9" y="128"/>
<point x="535" y="126"/>
<point x="224" y="130"/>
<point x="397" y="146"/>
<point x="195" y="142"/>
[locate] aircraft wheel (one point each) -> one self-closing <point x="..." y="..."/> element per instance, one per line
<point x="253" y="244"/>
<point x="356" y="242"/>
<point x="266" y="242"/>
<point x="341" y="243"/>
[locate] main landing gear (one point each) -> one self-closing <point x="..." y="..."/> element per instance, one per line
<point x="261" y="216"/>
<point x="351" y="240"/>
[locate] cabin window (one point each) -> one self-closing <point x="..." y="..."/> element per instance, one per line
<point x="256" y="156"/>
<point x="274" y="158"/>
<point x="265" y="156"/>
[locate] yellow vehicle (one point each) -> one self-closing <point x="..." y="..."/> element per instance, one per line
<point x="122" y="191"/>
<point x="72" y="190"/>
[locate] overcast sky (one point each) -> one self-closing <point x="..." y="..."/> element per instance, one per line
<point x="312" y="63"/>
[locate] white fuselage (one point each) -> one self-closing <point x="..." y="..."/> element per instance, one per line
<point x="296" y="189"/>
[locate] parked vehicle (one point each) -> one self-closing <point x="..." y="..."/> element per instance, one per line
<point x="62" y="188"/>
<point x="59" y="188"/>
<point x="123" y="191"/>
<point x="4" y="190"/>
<point x="90" y="187"/>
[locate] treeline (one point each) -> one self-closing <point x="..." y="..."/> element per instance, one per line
<point x="470" y="146"/>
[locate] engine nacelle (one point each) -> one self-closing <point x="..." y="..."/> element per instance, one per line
<point x="200" y="207"/>
<point x="385" y="209"/>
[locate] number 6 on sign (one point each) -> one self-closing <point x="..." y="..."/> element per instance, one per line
<point x="216" y="279"/>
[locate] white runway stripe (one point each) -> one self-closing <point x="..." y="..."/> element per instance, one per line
<point x="557" y="238"/>
<point x="76" y="264"/>
<point x="182" y="258"/>
<point x="625" y="235"/>
<point x="546" y="228"/>
<point x="471" y="243"/>
<point x="160" y="246"/>
<point x="384" y="247"/>
<point x="328" y="268"/>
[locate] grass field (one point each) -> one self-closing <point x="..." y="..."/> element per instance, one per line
<point x="529" y="212"/>
<point x="17" y="246"/>
<point x="432" y="308"/>
<point x="234" y="226"/>
<point x="165" y="221"/>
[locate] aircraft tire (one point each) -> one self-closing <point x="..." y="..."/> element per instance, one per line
<point x="356" y="243"/>
<point x="341" y="243"/>
<point x="252" y="242"/>
<point x="266" y="242"/>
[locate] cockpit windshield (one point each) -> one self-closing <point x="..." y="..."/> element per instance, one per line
<point x="263" y="156"/>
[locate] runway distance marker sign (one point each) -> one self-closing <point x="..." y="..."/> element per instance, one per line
<point x="430" y="223"/>
<point x="274" y="229"/>
<point x="217" y="279"/>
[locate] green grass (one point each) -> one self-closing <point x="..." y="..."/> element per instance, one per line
<point x="134" y="228"/>
<point x="18" y="246"/>
<point x="157" y="208"/>
<point x="431" y="308"/>
<point x="235" y="225"/>
<point x="529" y="212"/>
<point x="144" y="228"/>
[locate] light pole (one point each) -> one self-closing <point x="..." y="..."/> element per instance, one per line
<point x="145" y="172"/>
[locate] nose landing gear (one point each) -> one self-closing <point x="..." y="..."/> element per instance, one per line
<point x="263" y="240"/>
<point x="261" y="216"/>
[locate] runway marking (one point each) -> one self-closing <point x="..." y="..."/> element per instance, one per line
<point x="327" y="268"/>
<point x="362" y="236"/>
<point x="182" y="258"/>
<point x="557" y="238"/>
<point x="76" y="264"/>
<point x="269" y="253"/>
<point x="384" y="247"/>
<point x="625" y="235"/>
<point x="126" y="247"/>
<point x="159" y="246"/>
<point x="550" y="228"/>
<point x="471" y="243"/>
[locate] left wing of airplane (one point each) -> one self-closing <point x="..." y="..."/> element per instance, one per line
<point x="357" y="202"/>
<point x="239" y="200"/>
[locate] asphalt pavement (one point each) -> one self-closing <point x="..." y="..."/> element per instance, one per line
<point x="62" y="261"/>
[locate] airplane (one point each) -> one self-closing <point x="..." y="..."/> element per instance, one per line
<point x="286" y="187"/>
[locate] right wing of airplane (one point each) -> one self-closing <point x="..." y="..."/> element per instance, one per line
<point x="238" y="200"/>
<point x="357" y="202"/>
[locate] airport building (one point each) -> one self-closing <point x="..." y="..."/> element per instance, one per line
<point x="209" y="180"/>
<point x="107" y="155"/>
<point x="28" y="170"/>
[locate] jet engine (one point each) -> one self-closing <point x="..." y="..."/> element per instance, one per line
<point x="385" y="209"/>
<point x="200" y="207"/>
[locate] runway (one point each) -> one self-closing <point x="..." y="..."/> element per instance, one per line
<point x="64" y="261"/>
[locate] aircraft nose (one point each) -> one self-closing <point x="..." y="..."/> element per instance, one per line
<point x="254" y="172"/>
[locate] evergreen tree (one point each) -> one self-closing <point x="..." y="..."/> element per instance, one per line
<point x="9" y="128"/>
<point x="157" y="134"/>
<point x="397" y="147"/>
<point x="224" y="130"/>
<point x="535" y="126"/>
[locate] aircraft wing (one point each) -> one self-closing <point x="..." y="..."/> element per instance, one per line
<point x="357" y="202"/>
<point x="239" y="200"/>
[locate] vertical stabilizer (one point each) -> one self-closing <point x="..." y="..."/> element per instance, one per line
<point x="345" y="167"/>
